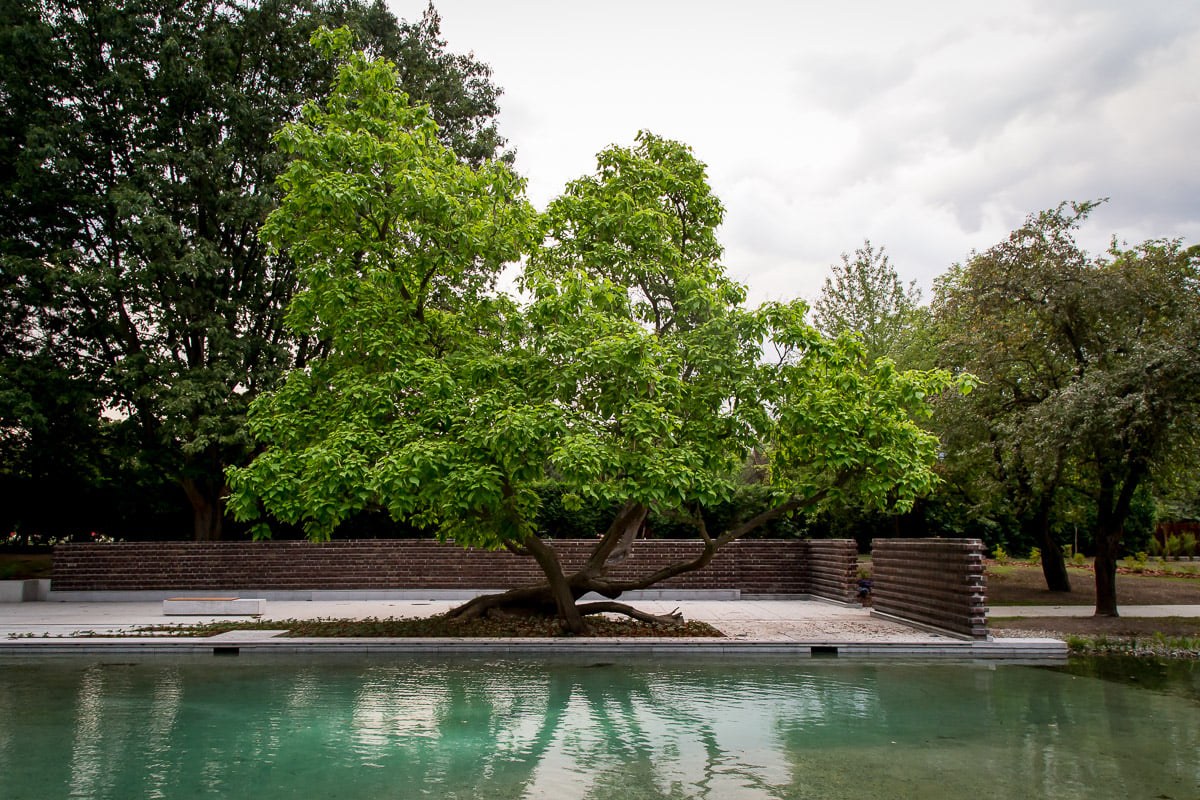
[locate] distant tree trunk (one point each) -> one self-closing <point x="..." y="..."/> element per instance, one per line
<point x="1054" y="567"/>
<point x="1107" y="544"/>
<point x="208" y="508"/>
<point x="1112" y="509"/>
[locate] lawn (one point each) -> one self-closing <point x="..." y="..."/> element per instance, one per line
<point x="1022" y="584"/>
<point x="1172" y="583"/>
<point x="22" y="566"/>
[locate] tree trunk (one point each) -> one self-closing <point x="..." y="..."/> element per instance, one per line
<point x="560" y="592"/>
<point x="1114" y="500"/>
<point x="1107" y="543"/>
<point x="1054" y="567"/>
<point x="208" y="509"/>
<point x="560" y="589"/>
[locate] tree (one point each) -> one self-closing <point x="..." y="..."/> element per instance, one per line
<point x="865" y="296"/>
<point x="1089" y="366"/>
<point x="137" y="170"/>
<point x="631" y="375"/>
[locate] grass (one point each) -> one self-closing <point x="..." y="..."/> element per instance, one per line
<point x="23" y="566"/>
<point x="1157" y="645"/>
<point x="1021" y="583"/>
<point x="1164" y="637"/>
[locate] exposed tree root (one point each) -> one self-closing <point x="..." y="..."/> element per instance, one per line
<point x="536" y="601"/>
<point x="528" y="598"/>
<point x="559" y="595"/>
<point x="608" y="606"/>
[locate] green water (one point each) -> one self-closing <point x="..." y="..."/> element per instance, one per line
<point x="242" y="727"/>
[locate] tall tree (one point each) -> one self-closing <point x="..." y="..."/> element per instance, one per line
<point x="865" y="296"/>
<point x="137" y="170"/>
<point x="1088" y="364"/>
<point x="633" y="374"/>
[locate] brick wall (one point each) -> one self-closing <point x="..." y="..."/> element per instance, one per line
<point x="938" y="582"/>
<point x="833" y="569"/>
<point x="756" y="567"/>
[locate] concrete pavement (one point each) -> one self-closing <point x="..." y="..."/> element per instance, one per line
<point x="1087" y="611"/>
<point x="776" y="620"/>
<point x="799" y="628"/>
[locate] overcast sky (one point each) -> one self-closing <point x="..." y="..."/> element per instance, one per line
<point x="931" y="128"/>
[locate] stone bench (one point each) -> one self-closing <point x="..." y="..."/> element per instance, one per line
<point x="214" y="606"/>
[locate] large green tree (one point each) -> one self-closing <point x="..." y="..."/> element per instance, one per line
<point x="1090" y="367"/>
<point x="136" y="171"/>
<point x="632" y="373"/>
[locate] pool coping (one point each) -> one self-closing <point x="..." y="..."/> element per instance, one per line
<point x="1031" y="650"/>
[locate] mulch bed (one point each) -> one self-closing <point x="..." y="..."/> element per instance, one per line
<point x="438" y="627"/>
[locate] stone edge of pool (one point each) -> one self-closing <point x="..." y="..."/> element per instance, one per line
<point x="269" y="642"/>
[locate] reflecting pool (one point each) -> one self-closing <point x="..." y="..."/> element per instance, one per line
<point x="127" y="727"/>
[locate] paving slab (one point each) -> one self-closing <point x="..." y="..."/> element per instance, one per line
<point x="1087" y="611"/>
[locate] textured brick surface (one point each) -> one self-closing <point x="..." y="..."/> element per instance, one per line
<point x="756" y="567"/>
<point x="937" y="582"/>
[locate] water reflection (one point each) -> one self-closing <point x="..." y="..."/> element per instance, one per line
<point x="404" y="728"/>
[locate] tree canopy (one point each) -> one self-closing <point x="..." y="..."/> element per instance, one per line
<point x="1090" y="368"/>
<point x="630" y="370"/>
<point x="865" y="295"/>
<point x="137" y="167"/>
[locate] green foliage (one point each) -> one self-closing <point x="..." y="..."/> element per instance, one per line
<point x="864" y="296"/>
<point x="631" y="375"/>
<point x="137" y="167"/>
<point x="397" y="245"/>
<point x="1174" y="546"/>
<point x="1187" y="544"/>
<point x="1000" y="555"/>
<point x="1137" y="562"/>
<point x="1089" y="371"/>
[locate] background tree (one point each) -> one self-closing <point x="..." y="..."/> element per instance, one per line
<point x="137" y="170"/>
<point x="865" y="295"/>
<point x="633" y="375"/>
<point x="1089" y="366"/>
<point x="1003" y="453"/>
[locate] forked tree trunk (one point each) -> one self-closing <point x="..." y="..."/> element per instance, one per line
<point x="559" y="589"/>
<point x="560" y="593"/>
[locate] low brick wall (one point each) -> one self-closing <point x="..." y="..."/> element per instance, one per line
<point x="833" y="569"/>
<point x="756" y="567"/>
<point x="938" y="582"/>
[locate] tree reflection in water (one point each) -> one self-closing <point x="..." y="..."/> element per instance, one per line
<point x="410" y="727"/>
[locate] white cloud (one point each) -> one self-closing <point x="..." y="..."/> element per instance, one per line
<point x="932" y="128"/>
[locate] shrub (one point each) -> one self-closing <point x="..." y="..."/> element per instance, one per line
<point x="1188" y="544"/>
